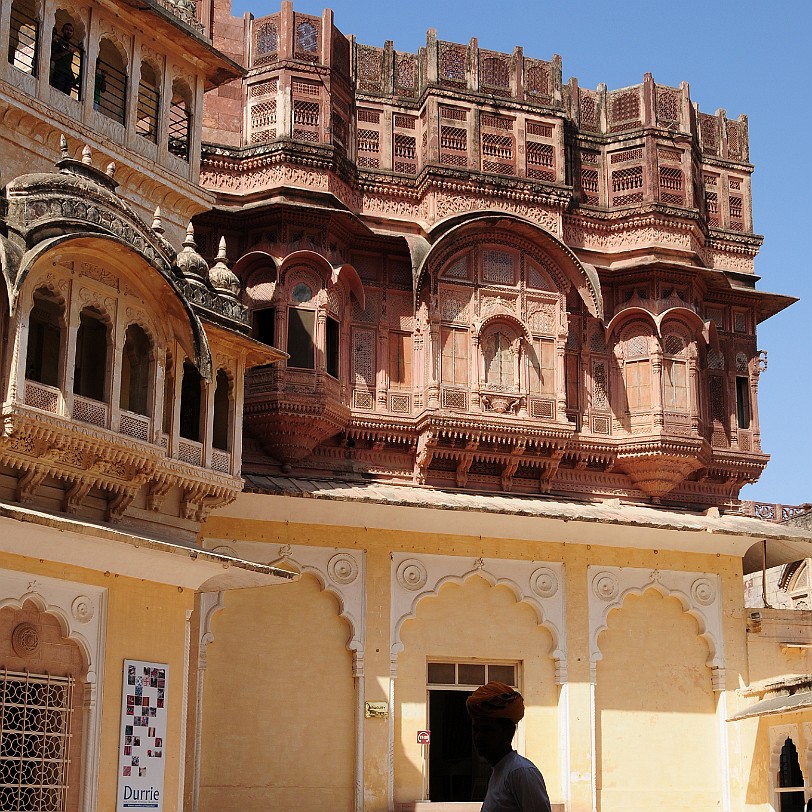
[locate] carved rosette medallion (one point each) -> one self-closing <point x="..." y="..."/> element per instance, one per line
<point x="82" y="609"/>
<point x="412" y="574"/>
<point x="25" y="639"/>
<point x="544" y="582"/>
<point x="342" y="568"/>
<point x="703" y="591"/>
<point x="605" y="586"/>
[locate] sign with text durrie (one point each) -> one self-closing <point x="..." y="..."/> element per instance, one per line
<point x="142" y="746"/>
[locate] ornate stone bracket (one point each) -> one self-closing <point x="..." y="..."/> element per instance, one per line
<point x="539" y="584"/>
<point x="698" y="592"/>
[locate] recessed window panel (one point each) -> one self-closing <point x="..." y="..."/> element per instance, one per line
<point x="442" y="673"/>
<point x="471" y="673"/>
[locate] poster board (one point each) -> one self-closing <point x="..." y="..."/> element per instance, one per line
<point x="142" y="743"/>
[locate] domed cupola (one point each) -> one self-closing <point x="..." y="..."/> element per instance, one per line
<point x="191" y="266"/>
<point x="223" y="280"/>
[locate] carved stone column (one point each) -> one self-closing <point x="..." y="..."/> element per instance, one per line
<point x="693" y="394"/>
<point x="657" y="388"/>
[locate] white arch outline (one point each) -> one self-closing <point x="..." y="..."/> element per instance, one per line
<point x="516" y="575"/>
<point x="668" y="583"/>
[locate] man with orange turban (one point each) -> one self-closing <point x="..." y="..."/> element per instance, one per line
<point x="515" y="784"/>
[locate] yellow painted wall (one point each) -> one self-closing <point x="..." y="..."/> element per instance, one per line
<point x="145" y="621"/>
<point x="657" y="733"/>
<point x="278" y="704"/>
<point x="444" y="627"/>
<point x="760" y="761"/>
<point x="467" y="621"/>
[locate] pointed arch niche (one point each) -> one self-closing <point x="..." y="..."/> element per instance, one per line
<point x="459" y="609"/>
<point x="282" y="687"/>
<point x="657" y="664"/>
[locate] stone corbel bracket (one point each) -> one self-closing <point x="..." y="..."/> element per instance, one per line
<point x="698" y="592"/>
<point x="536" y="583"/>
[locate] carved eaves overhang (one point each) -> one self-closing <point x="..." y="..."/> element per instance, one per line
<point x="86" y="458"/>
<point x="176" y="21"/>
<point x="448" y="440"/>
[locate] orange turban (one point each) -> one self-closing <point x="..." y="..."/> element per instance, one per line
<point x="496" y="701"/>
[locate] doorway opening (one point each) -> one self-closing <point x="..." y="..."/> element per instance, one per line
<point x="456" y="772"/>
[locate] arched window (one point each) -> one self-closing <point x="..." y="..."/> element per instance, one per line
<point x="44" y="350"/>
<point x="135" y="371"/>
<point x="790" y="779"/>
<point x="24" y="36"/>
<point x="301" y="328"/>
<point x="90" y="368"/>
<point x="149" y="99"/>
<point x="637" y="373"/>
<point x="190" y="402"/>
<point x="110" y="82"/>
<point x="42" y="695"/>
<point x="180" y="120"/>
<point x="222" y="412"/>
<point x="675" y="374"/>
<point x="497" y="350"/>
<point x="67" y="56"/>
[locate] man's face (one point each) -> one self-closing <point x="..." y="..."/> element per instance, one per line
<point x="67" y="31"/>
<point x="492" y="738"/>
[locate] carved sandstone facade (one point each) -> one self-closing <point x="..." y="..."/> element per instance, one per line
<point x="486" y="278"/>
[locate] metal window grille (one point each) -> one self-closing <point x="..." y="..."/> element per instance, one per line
<point x="148" y="102"/>
<point x="110" y="91"/>
<point x="23" y="42"/>
<point x="180" y="127"/>
<point x="67" y="66"/>
<point x="35" y="724"/>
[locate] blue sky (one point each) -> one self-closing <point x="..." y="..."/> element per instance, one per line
<point x="746" y="57"/>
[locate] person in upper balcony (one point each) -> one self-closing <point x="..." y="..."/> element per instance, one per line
<point x="62" y="52"/>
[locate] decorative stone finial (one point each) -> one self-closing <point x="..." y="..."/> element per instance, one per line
<point x="223" y="280"/>
<point x="157" y="223"/>
<point x="86" y="155"/>
<point x="111" y="169"/>
<point x="63" y="146"/>
<point x="191" y="265"/>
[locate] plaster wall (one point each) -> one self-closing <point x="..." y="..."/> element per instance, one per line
<point x="468" y="621"/>
<point x="144" y="620"/>
<point x="642" y="672"/>
<point x="647" y="713"/>
<point x="278" y="729"/>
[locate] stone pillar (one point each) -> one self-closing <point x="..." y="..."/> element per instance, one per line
<point x="657" y="387"/>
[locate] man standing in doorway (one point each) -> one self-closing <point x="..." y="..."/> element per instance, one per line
<point x="515" y="785"/>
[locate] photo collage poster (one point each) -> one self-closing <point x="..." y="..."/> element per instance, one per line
<point x="142" y="746"/>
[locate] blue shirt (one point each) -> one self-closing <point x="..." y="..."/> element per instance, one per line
<point x="516" y="785"/>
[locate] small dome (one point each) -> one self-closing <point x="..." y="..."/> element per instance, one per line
<point x="223" y="280"/>
<point x="190" y="264"/>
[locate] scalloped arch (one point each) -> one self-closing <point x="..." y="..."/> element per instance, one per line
<point x="557" y="652"/>
<point x="677" y="585"/>
<point x="355" y="642"/>
<point x="506" y="318"/>
<point x="65" y="625"/>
